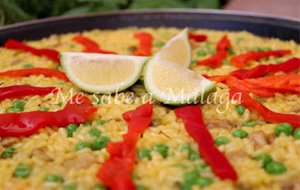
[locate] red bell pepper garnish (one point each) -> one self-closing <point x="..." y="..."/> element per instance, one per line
<point x="145" y="44"/>
<point x="35" y="71"/>
<point x="16" y="45"/>
<point x="260" y="70"/>
<point x="223" y="44"/>
<point x="217" y="78"/>
<point x="78" y="110"/>
<point x="214" y="60"/>
<point x="194" y="125"/>
<point x="267" y="114"/>
<point x="197" y="37"/>
<point x="115" y="172"/>
<point x="90" y="46"/>
<point x="242" y="60"/>
<point x="17" y="91"/>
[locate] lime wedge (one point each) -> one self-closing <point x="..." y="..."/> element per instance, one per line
<point x="102" y="73"/>
<point x="177" y="49"/>
<point x="175" y="84"/>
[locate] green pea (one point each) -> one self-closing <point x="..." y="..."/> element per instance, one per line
<point x="184" y="147"/>
<point x="13" y="110"/>
<point x="87" y="123"/>
<point x="71" y="128"/>
<point x="194" y="62"/>
<point x="54" y="178"/>
<point x="240" y="109"/>
<point x="266" y="159"/>
<point x="8" y="152"/>
<point x="70" y="186"/>
<point x="22" y="171"/>
<point x="221" y="140"/>
<point x="194" y="155"/>
<point x="159" y="44"/>
<point x="82" y="145"/>
<point x="240" y="133"/>
<point x="19" y="104"/>
<point x="201" y="52"/>
<point x="284" y="128"/>
<point x="186" y="185"/>
<point x="95" y="132"/>
<point x="297" y="133"/>
<point x="141" y="187"/>
<point x="204" y="181"/>
<point x="249" y="123"/>
<point x="44" y="108"/>
<point x="99" y="143"/>
<point x="162" y="149"/>
<point x="27" y="66"/>
<point x="275" y="168"/>
<point x="100" y="187"/>
<point x="59" y="67"/>
<point x="145" y="153"/>
<point x="201" y="167"/>
<point x="100" y="122"/>
<point x="59" y="104"/>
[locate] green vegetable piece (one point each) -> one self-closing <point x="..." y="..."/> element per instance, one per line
<point x="71" y="128"/>
<point x="8" y="152"/>
<point x="54" y="178"/>
<point x="240" y="133"/>
<point x="87" y="123"/>
<point x="13" y="110"/>
<point x="201" y="52"/>
<point x="191" y="176"/>
<point x="59" y="67"/>
<point x="100" y="187"/>
<point x="44" y="108"/>
<point x="95" y="132"/>
<point x="249" y="123"/>
<point x="226" y="62"/>
<point x="22" y="171"/>
<point x="70" y="186"/>
<point x="297" y="133"/>
<point x="184" y="147"/>
<point x="82" y="145"/>
<point x="261" y="100"/>
<point x="284" y="128"/>
<point x="194" y="155"/>
<point x="100" y="122"/>
<point x="141" y="187"/>
<point x="221" y="140"/>
<point x="99" y="143"/>
<point x="145" y="153"/>
<point x="275" y="168"/>
<point x="240" y="109"/>
<point x="19" y="104"/>
<point x="266" y="159"/>
<point x="231" y="52"/>
<point x="159" y="44"/>
<point x="201" y="167"/>
<point x="27" y="66"/>
<point x="204" y="181"/>
<point x="194" y="62"/>
<point x="162" y="149"/>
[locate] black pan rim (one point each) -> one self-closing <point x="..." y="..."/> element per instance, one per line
<point x="282" y="19"/>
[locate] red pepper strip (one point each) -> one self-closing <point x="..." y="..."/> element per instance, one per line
<point x="267" y="114"/>
<point x="35" y="71"/>
<point x="115" y="172"/>
<point x="214" y="60"/>
<point x="260" y="70"/>
<point x="90" y="46"/>
<point x="18" y="91"/>
<point x="197" y="37"/>
<point x="145" y="45"/>
<point x="16" y="45"/>
<point x="194" y="125"/>
<point x="242" y="60"/>
<point x="224" y="44"/>
<point x="217" y="78"/>
<point x="78" y="110"/>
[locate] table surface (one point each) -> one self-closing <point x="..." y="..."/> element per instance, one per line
<point x="289" y="8"/>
